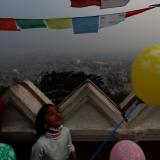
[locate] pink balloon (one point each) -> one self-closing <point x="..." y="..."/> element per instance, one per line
<point x="126" y="150"/>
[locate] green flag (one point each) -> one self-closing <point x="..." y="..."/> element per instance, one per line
<point x="155" y="5"/>
<point x="30" y="23"/>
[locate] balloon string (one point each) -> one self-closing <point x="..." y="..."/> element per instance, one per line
<point x="111" y="134"/>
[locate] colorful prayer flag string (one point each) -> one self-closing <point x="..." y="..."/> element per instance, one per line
<point x="89" y="24"/>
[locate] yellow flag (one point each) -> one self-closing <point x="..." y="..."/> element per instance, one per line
<point x="58" y="23"/>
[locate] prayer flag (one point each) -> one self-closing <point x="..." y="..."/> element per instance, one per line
<point x="8" y="24"/>
<point x="155" y="5"/>
<point x="132" y="13"/>
<point x="102" y="3"/>
<point x="85" y="3"/>
<point x="58" y="23"/>
<point x="113" y="3"/>
<point x="30" y="23"/>
<point x="85" y="24"/>
<point x="111" y="19"/>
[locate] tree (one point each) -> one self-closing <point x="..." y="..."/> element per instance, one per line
<point x="119" y="96"/>
<point x="57" y="85"/>
<point x="3" y="89"/>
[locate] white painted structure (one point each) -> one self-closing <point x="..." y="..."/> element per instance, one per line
<point x="144" y="122"/>
<point x="89" y="113"/>
<point x="22" y="104"/>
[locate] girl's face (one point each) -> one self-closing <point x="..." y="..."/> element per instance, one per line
<point x="53" y="117"/>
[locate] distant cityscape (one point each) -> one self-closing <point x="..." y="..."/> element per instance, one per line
<point x="114" y="71"/>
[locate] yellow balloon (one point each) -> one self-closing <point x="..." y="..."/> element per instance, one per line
<point x="145" y="75"/>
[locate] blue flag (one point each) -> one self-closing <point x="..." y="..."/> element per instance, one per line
<point x="85" y="24"/>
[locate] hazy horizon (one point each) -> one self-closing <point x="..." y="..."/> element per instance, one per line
<point x="35" y="56"/>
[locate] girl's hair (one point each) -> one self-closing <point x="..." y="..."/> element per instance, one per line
<point x="40" y="120"/>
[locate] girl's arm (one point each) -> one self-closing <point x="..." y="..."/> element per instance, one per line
<point x="72" y="153"/>
<point x="37" y="152"/>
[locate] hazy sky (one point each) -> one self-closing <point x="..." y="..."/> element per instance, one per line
<point x="129" y="37"/>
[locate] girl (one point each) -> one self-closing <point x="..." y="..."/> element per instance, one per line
<point x="54" y="141"/>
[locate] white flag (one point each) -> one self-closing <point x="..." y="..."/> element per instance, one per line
<point x="113" y="3"/>
<point x="111" y="19"/>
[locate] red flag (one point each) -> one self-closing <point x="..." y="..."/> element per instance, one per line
<point x="8" y="24"/>
<point x="2" y="108"/>
<point x="132" y="13"/>
<point x="85" y="3"/>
